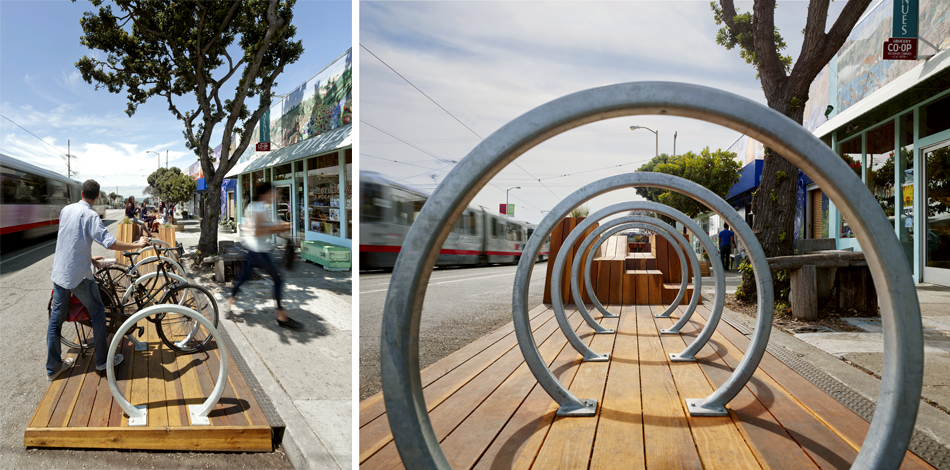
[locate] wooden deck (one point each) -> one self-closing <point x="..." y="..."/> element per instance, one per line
<point x="489" y="412"/>
<point x="79" y="411"/>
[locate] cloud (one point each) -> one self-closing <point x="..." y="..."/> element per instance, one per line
<point x="72" y="81"/>
<point x="32" y="82"/>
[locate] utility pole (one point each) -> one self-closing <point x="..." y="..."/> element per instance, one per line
<point x="166" y="159"/>
<point x="69" y="171"/>
<point x="674" y="143"/>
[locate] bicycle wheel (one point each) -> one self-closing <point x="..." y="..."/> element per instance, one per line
<point x="180" y="332"/>
<point x="113" y="282"/>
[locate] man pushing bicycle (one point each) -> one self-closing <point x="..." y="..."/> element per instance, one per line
<point x="79" y="226"/>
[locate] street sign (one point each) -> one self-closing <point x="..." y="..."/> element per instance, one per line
<point x="263" y="147"/>
<point x="905" y="19"/>
<point x="900" y="49"/>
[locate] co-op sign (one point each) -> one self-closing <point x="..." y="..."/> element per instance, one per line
<point x="903" y="42"/>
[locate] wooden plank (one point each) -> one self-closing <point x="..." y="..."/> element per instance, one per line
<point x="517" y="445"/>
<point x="821" y="259"/>
<point x="616" y="272"/>
<point x="768" y="440"/>
<point x="629" y="288"/>
<point x="138" y="375"/>
<point x="663" y="252"/>
<point x="825" y="447"/>
<point x="470" y="439"/>
<point x="155" y="380"/>
<point x="719" y="442"/>
<point x="844" y="423"/>
<point x="570" y="440"/>
<point x="666" y="433"/>
<point x="453" y="411"/>
<point x="102" y="407"/>
<point x="177" y="413"/>
<point x="557" y="236"/>
<point x="373" y="407"/>
<point x="188" y="376"/>
<point x="804" y="293"/>
<point x="376" y="434"/>
<point x="206" y="383"/>
<point x="44" y="411"/>
<point x="242" y="391"/>
<point x="198" y="438"/>
<point x="619" y="439"/>
<point x="643" y="287"/>
<point x="654" y="287"/>
<point x="87" y="398"/>
<point x="603" y="281"/>
<point x="229" y="402"/>
<point x="74" y="378"/>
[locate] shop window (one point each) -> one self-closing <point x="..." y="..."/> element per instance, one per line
<point x="938" y="207"/>
<point x="348" y="198"/>
<point x="934" y="117"/>
<point x="323" y="194"/>
<point x="245" y="190"/>
<point x="880" y="158"/>
<point x="283" y="172"/>
<point x="906" y="183"/>
<point x="851" y="154"/>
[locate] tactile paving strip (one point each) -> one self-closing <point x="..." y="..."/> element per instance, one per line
<point x="921" y="444"/>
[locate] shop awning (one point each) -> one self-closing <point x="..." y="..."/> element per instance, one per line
<point x="938" y="64"/>
<point x="748" y="179"/>
<point x="338" y="138"/>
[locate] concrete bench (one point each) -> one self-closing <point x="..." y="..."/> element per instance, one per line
<point x="814" y="274"/>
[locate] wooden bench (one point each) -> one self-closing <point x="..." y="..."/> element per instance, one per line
<point x="228" y="256"/>
<point x="814" y="274"/>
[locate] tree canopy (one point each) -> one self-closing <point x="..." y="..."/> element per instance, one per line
<point x="205" y="59"/>
<point x="717" y="171"/>
<point x="171" y="185"/>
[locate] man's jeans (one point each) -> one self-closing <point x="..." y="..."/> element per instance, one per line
<point x="88" y="293"/>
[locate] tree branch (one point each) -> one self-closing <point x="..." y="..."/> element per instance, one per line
<point x="767" y="60"/>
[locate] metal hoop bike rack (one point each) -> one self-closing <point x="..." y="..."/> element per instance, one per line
<point x="138" y="415"/>
<point x="697" y="280"/>
<point x="902" y="372"/>
<point x="616" y="225"/>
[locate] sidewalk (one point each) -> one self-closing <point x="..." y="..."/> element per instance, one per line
<point x="306" y="374"/>
<point x="847" y="365"/>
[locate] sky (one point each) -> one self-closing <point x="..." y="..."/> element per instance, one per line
<point x="487" y="63"/>
<point x="42" y="91"/>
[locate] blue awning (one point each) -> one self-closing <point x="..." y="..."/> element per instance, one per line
<point x="749" y="179"/>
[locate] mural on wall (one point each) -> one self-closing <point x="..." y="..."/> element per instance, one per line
<point x="321" y="104"/>
<point x="860" y="67"/>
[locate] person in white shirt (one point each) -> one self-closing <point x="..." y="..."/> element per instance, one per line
<point x="79" y="226"/>
<point x="258" y="227"/>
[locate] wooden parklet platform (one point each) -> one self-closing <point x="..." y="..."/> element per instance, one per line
<point x="79" y="411"/>
<point x="489" y="412"/>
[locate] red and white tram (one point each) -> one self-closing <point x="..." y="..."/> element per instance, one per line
<point x="33" y="197"/>
<point x="479" y="238"/>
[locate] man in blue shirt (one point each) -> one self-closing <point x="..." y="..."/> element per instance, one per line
<point x="725" y="246"/>
<point x="79" y="226"/>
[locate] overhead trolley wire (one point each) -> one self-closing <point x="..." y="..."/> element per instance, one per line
<point x="450" y="114"/>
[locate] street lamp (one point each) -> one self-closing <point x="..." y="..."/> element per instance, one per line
<point x="506" y="198"/>
<point x="157" y="155"/>
<point x="656" y="133"/>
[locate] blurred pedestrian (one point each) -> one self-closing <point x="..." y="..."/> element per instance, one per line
<point x="725" y="246"/>
<point x="257" y="228"/>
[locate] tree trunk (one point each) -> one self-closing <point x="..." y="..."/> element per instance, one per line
<point x="774" y="201"/>
<point x="208" y="241"/>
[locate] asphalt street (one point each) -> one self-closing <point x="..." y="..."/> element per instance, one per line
<point x="461" y="305"/>
<point x="25" y="287"/>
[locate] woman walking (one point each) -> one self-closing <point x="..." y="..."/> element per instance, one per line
<point x="258" y="226"/>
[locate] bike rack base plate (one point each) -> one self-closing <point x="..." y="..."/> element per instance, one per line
<point x="136" y="344"/>
<point x="195" y="419"/>
<point x="677" y="357"/>
<point x="141" y="420"/>
<point x="597" y="358"/>
<point x="696" y="408"/>
<point x="589" y="409"/>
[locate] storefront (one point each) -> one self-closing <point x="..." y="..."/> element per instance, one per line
<point x="897" y="140"/>
<point x="313" y="180"/>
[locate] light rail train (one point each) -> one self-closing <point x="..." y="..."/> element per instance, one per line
<point x="479" y="238"/>
<point x="33" y="197"/>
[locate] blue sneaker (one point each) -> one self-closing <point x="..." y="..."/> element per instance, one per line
<point x="62" y="368"/>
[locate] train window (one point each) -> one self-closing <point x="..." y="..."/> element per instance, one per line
<point x="470" y="219"/>
<point x="370" y="197"/>
<point x="58" y="192"/>
<point x="401" y="212"/>
<point x="23" y="188"/>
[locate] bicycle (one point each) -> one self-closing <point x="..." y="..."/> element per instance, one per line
<point x="178" y="332"/>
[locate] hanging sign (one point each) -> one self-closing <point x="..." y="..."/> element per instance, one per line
<point x="905" y="19"/>
<point x="262" y="147"/>
<point x="900" y="49"/>
<point x="502" y="209"/>
<point x="511" y="209"/>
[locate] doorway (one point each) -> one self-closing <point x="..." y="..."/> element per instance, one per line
<point x="936" y="163"/>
